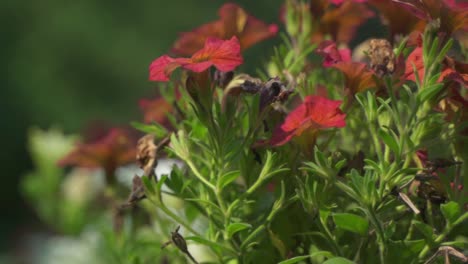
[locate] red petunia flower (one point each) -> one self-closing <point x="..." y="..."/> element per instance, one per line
<point x="414" y="63"/>
<point x="453" y="16"/>
<point x="332" y="54"/>
<point x="234" y="21"/>
<point x="315" y="113"/>
<point x="115" y="148"/>
<point x="223" y="54"/>
<point x="451" y="69"/>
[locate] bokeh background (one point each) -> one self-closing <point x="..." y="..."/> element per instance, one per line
<point x="68" y="63"/>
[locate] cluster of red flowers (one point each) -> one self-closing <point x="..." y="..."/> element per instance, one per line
<point x="220" y="43"/>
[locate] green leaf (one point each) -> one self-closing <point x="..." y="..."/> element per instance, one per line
<point x="160" y="183"/>
<point x="294" y="260"/>
<point x="211" y="244"/>
<point x="351" y="222"/>
<point x="236" y="227"/>
<point x="429" y="92"/>
<point x="206" y="202"/>
<point x="425" y="229"/>
<point x="153" y="129"/>
<point x="148" y="185"/>
<point x="339" y="260"/>
<point x="278" y="243"/>
<point x="390" y="139"/>
<point x="323" y="213"/>
<point x="451" y="211"/>
<point x="228" y="178"/>
<point x="300" y="258"/>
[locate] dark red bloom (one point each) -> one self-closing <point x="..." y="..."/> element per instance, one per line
<point x="453" y="16"/>
<point x="113" y="149"/>
<point x="156" y="110"/>
<point x="315" y="113"/>
<point x="332" y="54"/>
<point x="223" y="54"/>
<point x="339" y="2"/>
<point x="233" y="21"/>
<point x="358" y="77"/>
<point x="399" y="20"/>
<point x="339" y="23"/>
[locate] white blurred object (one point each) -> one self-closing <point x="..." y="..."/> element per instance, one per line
<point x="59" y="250"/>
<point x="50" y="145"/>
<point x="125" y="174"/>
<point x="82" y="185"/>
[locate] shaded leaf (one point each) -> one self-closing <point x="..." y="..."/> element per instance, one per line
<point x="228" y="178"/>
<point x="451" y="211"/>
<point x="351" y="222"/>
<point x="339" y="260"/>
<point x="236" y="227"/>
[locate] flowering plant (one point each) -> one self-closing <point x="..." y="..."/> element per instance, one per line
<point x="323" y="156"/>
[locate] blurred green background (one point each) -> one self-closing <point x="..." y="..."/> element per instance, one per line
<point x="67" y="63"/>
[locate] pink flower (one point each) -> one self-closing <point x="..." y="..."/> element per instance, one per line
<point x="315" y="113"/>
<point x="331" y="54"/>
<point x="223" y="54"/>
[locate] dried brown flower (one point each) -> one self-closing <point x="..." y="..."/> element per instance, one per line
<point x="382" y="58"/>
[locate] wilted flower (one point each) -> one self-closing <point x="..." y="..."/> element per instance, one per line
<point x="115" y="148"/>
<point x="332" y="54"/>
<point x="223" y="54"/>
<point x="314" y="114"/>
<point x="234" y="21"/>
<point x="382" y="58"/>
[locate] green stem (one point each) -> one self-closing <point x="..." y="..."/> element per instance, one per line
<point x="442" y="236"/>
<point x="331" y="241"/>
<point x="199" y="176"/>
<point x="178" y="220"/>
<point x="252" y="236"/>
<point x="375" y="139"/>
<point x="380" y="234"/>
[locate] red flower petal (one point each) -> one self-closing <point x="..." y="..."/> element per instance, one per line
<point x="224" y="55"/>
<point x="414" y="62"/>
<point x="325" y="112"/>
<point x="161" y="68"/>
<point x="331" y="54"/>
<point x="316" y="112"/>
